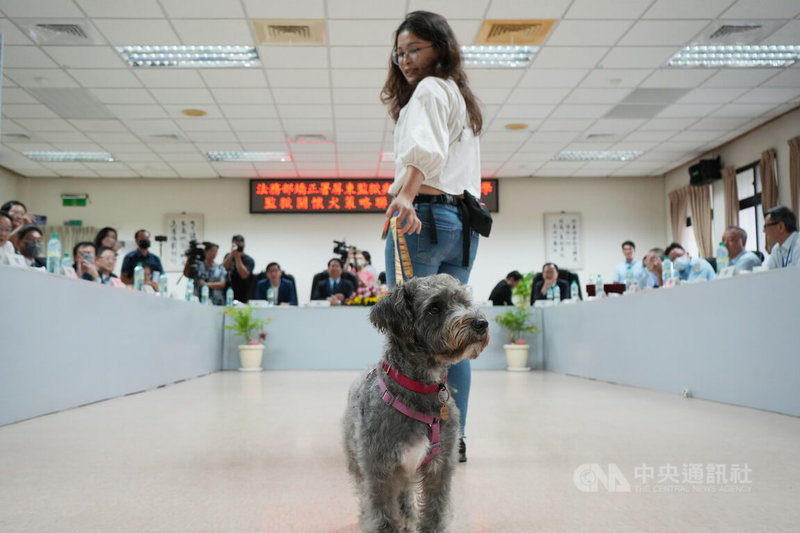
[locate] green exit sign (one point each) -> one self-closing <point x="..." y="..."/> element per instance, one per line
<point x="73" y="201"/>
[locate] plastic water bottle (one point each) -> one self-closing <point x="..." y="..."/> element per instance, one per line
<point x="65" y="262"/>
<point x="599" y="291"/>
<point x="189" y="289"/>
<point x="628" y="279"/>
<point x="138" y="277"/>
<point x="550" y="293"/>
<point x="666" y="271"/>
<point x="54" y="255"/>
<point x="574" y="290"/>
<point x="722" y="257"/>
<point x="229" y="296"/>
<point x="162" y="285"/>
<point x="556" y="293"/>
<point x="204" y="294"/>
<point x="270" y="296"/>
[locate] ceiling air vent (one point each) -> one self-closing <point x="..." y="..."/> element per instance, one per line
<point x="15" y="137"/>
<point x="737" y="31"/>
<point x="60" y="31"/>
<point x="730" y="29"/>
<point x="290" y="31"/>
<point x="514" y="31"/>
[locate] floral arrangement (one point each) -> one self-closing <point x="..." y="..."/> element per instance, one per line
<point x="516" y="320"/>
<point x="367" y="295"/>
<point x="246" y="325"/>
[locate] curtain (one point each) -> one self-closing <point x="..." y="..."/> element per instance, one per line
<point x="794" y="173"/>
<point x="678" y="204"/>
<point x="731" y="196"/>
<point x="769" y="186"/>
<point x="700" y="200"/>
<point x="69" y="236"/>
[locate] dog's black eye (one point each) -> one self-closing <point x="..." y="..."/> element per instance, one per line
<point x="434" y="309"/>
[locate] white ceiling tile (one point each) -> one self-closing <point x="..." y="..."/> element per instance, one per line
<point x="78" y="147"/>
<point x="26" y="57"/>
<point x="27" y="111"/>
<point x="305" y="96"/>
<point x="299" y="78"/>
<point x="524" y="111"/>
<point x="580" y="111"/>
<point x="284" y="57"/>
<point x="346" y="148"/>
<point x="355" y="95"/>
<point x="717" y="123"/>
<point x="183" y="157"/>
<point x="743" y="77"/>
<point x="566" y="124"/>
<point x="306" y="111"/>
<point x="662" y="32"/>
<point x="357" y="78"/>
<point x="11" y="34"/>
<point x="45" y="124"/>
<point x="361" y="33"/>
<point x="126" y="148"/>
<point x="499" y="95"/>
<point x="687" y="9"/>
<point x="213" y="136"/>
<point x="195" y="171"/>
<point x="203" y="124"/>
<point x="742" y="110"/>
<point x="607" y="9"/>
<point x="124" y="111"/>
<point x="86" y="56"/>
<point x="769" y="95"/>
<point x="677" y="78"/>
<point x="788" y="34"/>
<point x="466" y="31"/>
<point x="301" y="126"/>
<point x="183" y="147"/>
<point x="787" y="78"/>
<point x="17" y="96"/>
<point x="123" y="96"/>
<point x="32" y="77"/>
<point x="98" y="125"/>
<point x="568" y="57"/>
<point x="627" y="57"/>
<point x="63" y="137"/>
<point x="616" y="125"/>
<point x="615" y="78"/>
<point x="183" y="96"/>
<point x="35" y="8"/>
<point x="359" y="57"/>
<point x="755" y="9"/>
<point x="218" y="31"/>
<point x="642" y="136"/>
<point x="551" y="78"/>
<point x="240" y="77"/>
<point x="493" y="78"/>
<point x="596" y="96"/>
<point x="366" y="9"/>
<point x="668" y="124"/>
<point x="113" y="137"/>
<point x="474" y="9"/>
<point x="216" y="9"/>
<point x="120" y="32"/>
<point x="527" y="9"/>
<point x="169" y="78"/>
<point x="376" y="111"/>
<point x="717" y="95"/>
<point x="588" y="33"/>
<point x="296" y="9"/>
<point x="136" y="157"/>
<point x="154" y="127"/>
<point x="105" y="78"/>
<point x="688" y="110"/>
<point x="261" y="136"/>
<point x="241" y="96"/>
<point x="249" y="111"/>
<point x="248" y="124"/>
<point x="106" y="9"/>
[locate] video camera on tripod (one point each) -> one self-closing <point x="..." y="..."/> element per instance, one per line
<point x="195" y="255"/>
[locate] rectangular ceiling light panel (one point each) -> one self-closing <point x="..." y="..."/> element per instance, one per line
<point x="498" y="56"/>
<point x="68" y="157"/>
<point x="598" y="155"/>
<point x="737" y="56"/>
<point x="249" y="157"/>
<point x="192" y="56"/>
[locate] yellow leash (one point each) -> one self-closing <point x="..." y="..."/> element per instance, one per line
<point x="402" y="259"/>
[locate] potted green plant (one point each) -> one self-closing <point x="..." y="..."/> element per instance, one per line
<point x="517" y="321"/>
<point x="252" y="329"/>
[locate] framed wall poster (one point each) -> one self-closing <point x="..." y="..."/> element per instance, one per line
<point x="180" y="229"/>
<point x="562" y="236"/>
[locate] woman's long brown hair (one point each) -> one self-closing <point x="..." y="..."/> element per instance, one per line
<point x="431" y="27"/>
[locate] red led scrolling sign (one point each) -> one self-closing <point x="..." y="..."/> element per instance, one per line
<point x="334" y="195"/>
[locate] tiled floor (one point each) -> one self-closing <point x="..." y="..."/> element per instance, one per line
<point x="262" y="452"/>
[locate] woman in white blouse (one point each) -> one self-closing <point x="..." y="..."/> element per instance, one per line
<point x="437" y="158"/>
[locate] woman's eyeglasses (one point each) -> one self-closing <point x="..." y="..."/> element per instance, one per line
<point x="411" y="55"/>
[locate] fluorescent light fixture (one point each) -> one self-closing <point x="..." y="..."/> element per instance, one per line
<point x="248" y="157"/>
<point x="735" y="55"/>
<point x="68" y="157"/>
<point x="598" y="155"/>
<point x="194" y="56"/>
<point x="498" y="56"/>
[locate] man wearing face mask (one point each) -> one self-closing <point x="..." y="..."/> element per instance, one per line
<point x="31" y="245"/>
<point x="689" y="268"/>
<point x="140" y="255"/>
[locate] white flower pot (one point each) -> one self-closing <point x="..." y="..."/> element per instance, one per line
<point x="250" y="357"/>
<point x="517" y="357"/>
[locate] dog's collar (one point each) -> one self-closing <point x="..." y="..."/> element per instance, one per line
<point x="410" y="384"/>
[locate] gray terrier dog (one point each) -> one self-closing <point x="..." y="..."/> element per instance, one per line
<point x="401" y="426"/>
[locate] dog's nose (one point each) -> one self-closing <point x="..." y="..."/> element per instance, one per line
<point x="479" y="325"/>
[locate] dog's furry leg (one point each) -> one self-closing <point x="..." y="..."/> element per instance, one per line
<point x="379" y="510"/>
<point x="435" y="501"/>
<point x="406" y="502"/>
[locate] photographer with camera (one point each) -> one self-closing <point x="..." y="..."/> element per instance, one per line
<point x="201" y="268"/>
<point x="240" y="267"/>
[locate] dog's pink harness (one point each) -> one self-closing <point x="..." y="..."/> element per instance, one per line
<point x="431" y="421"/>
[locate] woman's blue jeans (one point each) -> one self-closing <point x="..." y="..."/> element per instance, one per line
<point x="444" y="257"/>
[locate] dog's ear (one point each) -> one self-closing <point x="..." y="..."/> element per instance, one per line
<point x="393" y="313"/>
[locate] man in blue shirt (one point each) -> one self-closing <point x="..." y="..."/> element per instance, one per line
<point x="140" y="255"/>
<point x="689" y="268"/>
<point x="621" y="270"/>
<point x="780" y="229"/>
<point x="734" y="240"/>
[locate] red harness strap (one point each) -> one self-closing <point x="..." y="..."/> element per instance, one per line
<point x="410" y="384"/>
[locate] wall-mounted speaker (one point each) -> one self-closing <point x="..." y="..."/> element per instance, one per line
<point x="705" y="172"/>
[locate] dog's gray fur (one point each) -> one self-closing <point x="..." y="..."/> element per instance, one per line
<point x="430" y="323"/>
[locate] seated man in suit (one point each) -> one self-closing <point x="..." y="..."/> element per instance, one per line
<point x="275" y="289"/>
<point x="335" y="289"/>
<point x="549" y="279"/>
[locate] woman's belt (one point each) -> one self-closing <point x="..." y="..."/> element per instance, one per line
<point x="445" y="199"/>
